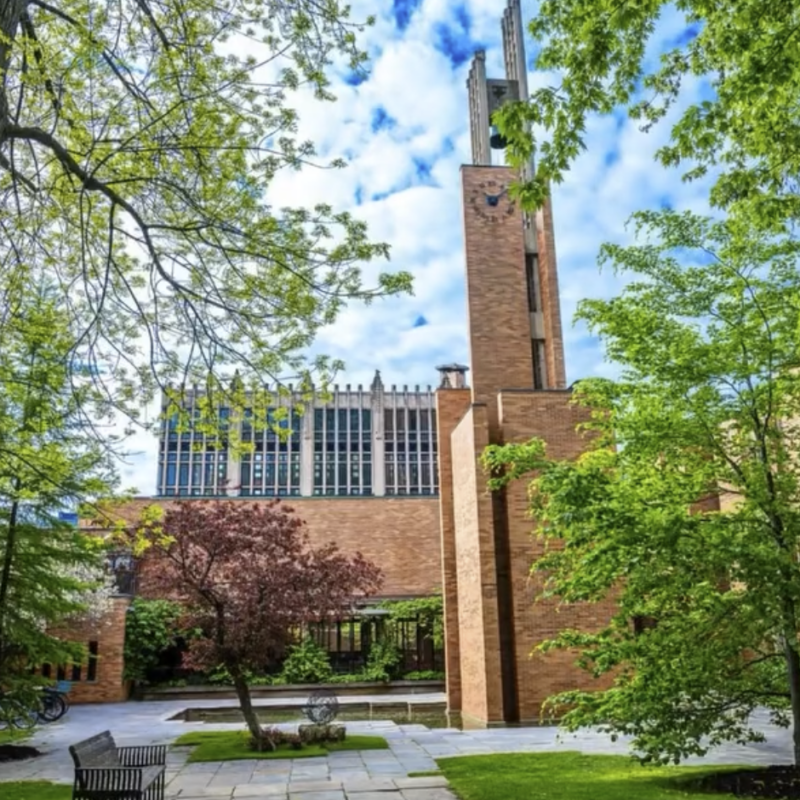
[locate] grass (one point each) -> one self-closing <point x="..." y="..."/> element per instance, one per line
<point x="9" y="735"/>
<point x="35" y="790"/>
<point x="569" y="776"/>
<point x="233" y="746"/>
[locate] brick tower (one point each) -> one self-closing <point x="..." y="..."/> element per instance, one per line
<point x="518" y="392"/>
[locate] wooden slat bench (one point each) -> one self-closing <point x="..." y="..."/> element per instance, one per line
<point x="104" y="771"/>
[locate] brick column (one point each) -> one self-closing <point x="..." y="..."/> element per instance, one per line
<point x="451" y="405"/>
<point x="478" y="618"/>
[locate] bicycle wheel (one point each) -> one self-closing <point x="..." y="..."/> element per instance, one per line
<point x="20" y="716"/>
<point x="53" y="707"/>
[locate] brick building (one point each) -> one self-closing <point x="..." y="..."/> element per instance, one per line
<point x="518" y="392"/>
<point x="396" y="474"/>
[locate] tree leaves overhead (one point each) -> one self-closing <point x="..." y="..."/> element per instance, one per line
<point x="686" y="503"/>
<point x="138" y="140"/>
<point x="748" y="128"/>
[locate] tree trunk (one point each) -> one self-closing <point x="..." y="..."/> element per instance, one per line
<point x="10" y="13"/>
<point x="5" y="575"/>
<point x="248" y="712"/>
<point x="793" y="672"/>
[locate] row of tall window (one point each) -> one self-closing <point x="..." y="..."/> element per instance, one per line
<point x="270" y="465"/>
<point x="410" y="451"/>
<point x="342" y="451"/>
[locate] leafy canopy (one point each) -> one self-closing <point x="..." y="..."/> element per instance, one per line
<point x="138" y="142"/>
<point x="704" y="415"/>
<point x="747" y="131"/>
<point x="49" y="462"/>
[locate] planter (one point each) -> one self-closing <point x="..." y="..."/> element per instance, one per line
<point x="299" y="691"/>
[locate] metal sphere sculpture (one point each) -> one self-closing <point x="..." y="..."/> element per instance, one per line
<point x="321" y="707"/>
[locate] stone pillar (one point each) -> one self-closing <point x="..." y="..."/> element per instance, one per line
<point x="378" y="451"/>
<point x="478" y="110"/>
<point x="307" y="452"/>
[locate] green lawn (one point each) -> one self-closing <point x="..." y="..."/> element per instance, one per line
<point x="9" y="735"/>
<point x="233" y="746"/>
<point x="35" y="790"/>
<point x="568" y="776"/>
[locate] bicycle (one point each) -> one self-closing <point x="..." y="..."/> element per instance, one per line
<point x="54" y="702"/>
<point x="14" y="713"/>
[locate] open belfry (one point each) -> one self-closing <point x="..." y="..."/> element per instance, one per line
<point x="518" y="391"/>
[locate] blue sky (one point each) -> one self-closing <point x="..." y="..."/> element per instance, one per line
<point x="404" y="131"/>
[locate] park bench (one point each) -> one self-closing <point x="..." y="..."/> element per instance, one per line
<point x="104" y="771"/>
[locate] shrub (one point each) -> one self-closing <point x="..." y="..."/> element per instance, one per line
<point x="347" y="677"/>
<point x="151" y="627"/>
<point x="424" y="675"/>
<point x="383" y="662"/>
<point x="307" y="662"/>
<point x="262" y="680"/>
<point x="427" y="611"/>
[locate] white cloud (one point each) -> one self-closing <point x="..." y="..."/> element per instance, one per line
<point x="424" y="95"/>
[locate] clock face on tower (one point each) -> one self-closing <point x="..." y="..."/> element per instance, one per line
<point x="490" y="201"/>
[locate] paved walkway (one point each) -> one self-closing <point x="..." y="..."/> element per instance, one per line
<point x="367" y="775"/>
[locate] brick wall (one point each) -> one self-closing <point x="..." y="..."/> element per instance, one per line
<point x="497" y="297"/>
<point x="401" y="535"/>
<point x="109" y="634"/>
<point x="481" y="684"/>
<point x="550" y="416"/>
<point x="451" y="405"/>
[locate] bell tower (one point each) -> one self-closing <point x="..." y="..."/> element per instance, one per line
<point x="538" y="262"/>
<point x="517" y="392"/>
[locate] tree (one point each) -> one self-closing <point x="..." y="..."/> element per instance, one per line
<point x="249" y="580"/>
<point x="705" y="414"/>
<point x="49" y="571"/>
<point x="748" y="131"/>
<point x="138" y="142"/>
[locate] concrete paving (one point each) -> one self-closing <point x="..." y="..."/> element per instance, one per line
<point x="349" y="775"/>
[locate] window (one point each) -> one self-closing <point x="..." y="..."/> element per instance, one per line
<point x="91" y="669"/>
<point x="532" y="275"/>
<point x="342" y="451"/>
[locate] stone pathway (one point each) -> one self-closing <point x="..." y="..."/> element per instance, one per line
<point x="348" y="775"/>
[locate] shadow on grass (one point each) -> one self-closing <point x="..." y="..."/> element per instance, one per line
<point x="574" y="776"/>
